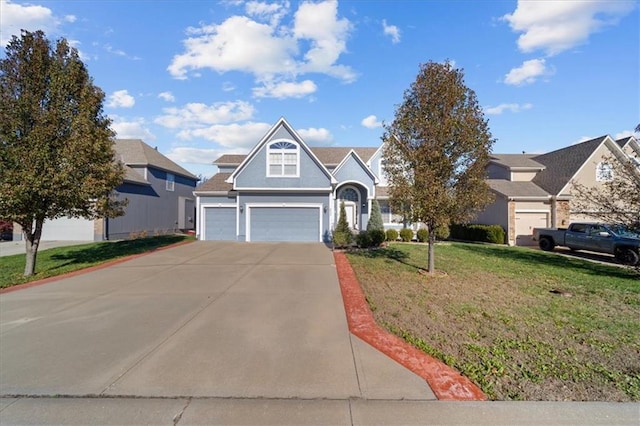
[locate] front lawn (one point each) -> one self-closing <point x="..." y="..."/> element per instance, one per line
<point x="60" y="260"/>
<point x="523" y="324"/>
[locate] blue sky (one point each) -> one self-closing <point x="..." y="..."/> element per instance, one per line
<point x="199" y="79"/>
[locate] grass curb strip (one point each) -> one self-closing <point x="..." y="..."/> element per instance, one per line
<point x="446" y="383"/>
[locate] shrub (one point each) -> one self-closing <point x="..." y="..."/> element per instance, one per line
<point x="377" y="237"/>
<point x="406" y="234"/>
<point x="442" y="232"/>
<point x="341" y="239"/>
<point x="342" y="235"/>
<point x="483" y="233"/>
<point x="392" y="235"/>
<point x="375" y="221"/>
<point x="422" y="235"/>
<point x="363" y="239"/>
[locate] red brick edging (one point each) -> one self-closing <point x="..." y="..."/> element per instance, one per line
<point x="89" y="269"/>
<point x="446" y="383"/>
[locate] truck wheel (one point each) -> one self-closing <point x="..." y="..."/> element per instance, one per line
<point x="546" y="244"/>
<point x="627" y="256"/>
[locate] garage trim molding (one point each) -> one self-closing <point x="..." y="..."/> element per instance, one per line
<point x="248" y="207"/>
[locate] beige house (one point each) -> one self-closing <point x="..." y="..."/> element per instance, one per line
<point x="535" y="190"/>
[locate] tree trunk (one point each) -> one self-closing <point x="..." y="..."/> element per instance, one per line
<point x="32" y="242"/>
<point x="432" y="256"/>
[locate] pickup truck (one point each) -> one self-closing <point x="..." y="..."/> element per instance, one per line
<point x="617" y="240"/>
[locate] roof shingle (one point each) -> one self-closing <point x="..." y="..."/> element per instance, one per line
<point x="137" y="153"/>
<point x="217" y="183"/>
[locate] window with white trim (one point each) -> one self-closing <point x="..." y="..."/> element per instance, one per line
<point x="171" y="179"/>
<point x="604" y="172"/>
<point x="282" y="159"/>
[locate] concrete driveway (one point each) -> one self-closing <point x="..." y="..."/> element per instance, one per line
<point x="220" y="333"/>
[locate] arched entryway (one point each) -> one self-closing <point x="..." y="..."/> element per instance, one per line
<point x="355" y="204"/>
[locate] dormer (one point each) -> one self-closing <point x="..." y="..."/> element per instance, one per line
<point x="513" y="167"/>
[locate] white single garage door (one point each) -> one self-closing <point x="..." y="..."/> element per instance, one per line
<point x="299" y="224"/>
<point x="525" y="222"/>
<point x="67" y="229"/>
<point x="220" y="223"/>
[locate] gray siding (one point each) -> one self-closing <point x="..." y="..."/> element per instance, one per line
<point x="151" y="209"/>
<point x="226" y="169"/>
<point x="218" y="200"/>
<point x="375" y="163"/>
<point x="281" y="199"/>
<point x="352" y="171"/>
<point x="254" y="175"/>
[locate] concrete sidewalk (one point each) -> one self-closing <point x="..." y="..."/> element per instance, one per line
<point x="9" y="248"/>
<point x="242" y="411"/>
<point x="221" y="333"/>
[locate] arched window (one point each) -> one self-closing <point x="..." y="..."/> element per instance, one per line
<point x="282" y="159"/>
<point x="348" y="194"/>
<point x="604" y="172"/>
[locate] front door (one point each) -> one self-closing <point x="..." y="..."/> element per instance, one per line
<point x="350" y="209"/>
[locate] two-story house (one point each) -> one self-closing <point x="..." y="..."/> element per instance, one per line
<point x="535" y="190"/>
<point x="160" y="200"/>
<point x="283" y="190"/>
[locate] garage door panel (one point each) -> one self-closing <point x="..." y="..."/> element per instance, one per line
<point x="298" y="224"/>
<point x="67" y="229"/>
<point x="525" y="222"/>
<point x="220" y="223"/>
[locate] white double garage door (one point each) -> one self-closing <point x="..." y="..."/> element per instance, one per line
<point x="297" y="223"/>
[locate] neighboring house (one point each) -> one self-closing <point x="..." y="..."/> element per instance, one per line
<point x="535" y="190"/>
<point x="283" y="190"/>
<point x="160" y="200"/>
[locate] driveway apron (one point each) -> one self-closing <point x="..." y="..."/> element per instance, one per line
<point x="208" y="319"/>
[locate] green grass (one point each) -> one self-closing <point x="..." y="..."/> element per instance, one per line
<point x="523" y="324"/>
<point x="60" y="260"/>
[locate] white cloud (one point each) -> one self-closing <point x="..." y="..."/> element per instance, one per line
<point x="238" y="44"/>
<point x="228" y="86"/>
<point x="131" y="129"/>
<point x="167" y="96"/>
<point x="371" y="122"/>
<point x="15" y="17"/>
<point x="625" y="134"/>
<point x="527" y="73"/>
<point x="194" y="115"/>
<point x="121" y="99"/>
<point x="497" y="110"/>
<point x="314" y="136"/>
<point x="556" y="26"/>
<point x="271" y="12"/>
<point x="70" y="18"/>
<point x="234" y="136"/>
<point x="392" y="31"/>
<point x="195" y="155"/>
<point x="274" y="53"/>
<point x="285" y="90"/>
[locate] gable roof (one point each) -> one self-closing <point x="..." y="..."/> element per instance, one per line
<point x="281" y="123"/>
<point x="230" y="160"/>
<point x="353" y="154"/>
<point x="328" y="156"/>
<point x="217" y="183"/>
<point x="134" y="152"/>
<point x="624" y="141"/>
<point x="563" y="164"/>
<point x="332" y="156"/>
<point x="516" y="161"/>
